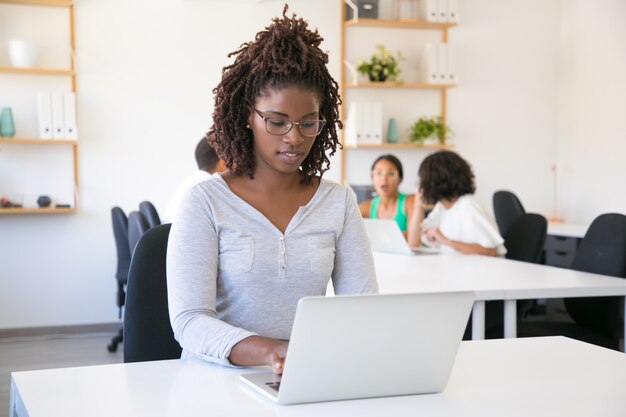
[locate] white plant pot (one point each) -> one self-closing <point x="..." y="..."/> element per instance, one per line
<point x="23" y="54"/>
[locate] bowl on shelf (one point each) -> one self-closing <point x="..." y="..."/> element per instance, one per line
<point x="23" y="53"/>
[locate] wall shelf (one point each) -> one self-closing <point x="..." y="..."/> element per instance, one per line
<point x="399" y="24"/>
<point x="400" y="85"/>
<point x="39" y="141"/>
<point x="428" y="146"/>
<point x="34" y="210"/>
<point x="37" y="71"/>
<point x="54" y="3"/>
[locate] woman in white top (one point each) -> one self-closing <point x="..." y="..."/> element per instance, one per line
<point x="248" y="243"/>
<point x="457" y="223"/>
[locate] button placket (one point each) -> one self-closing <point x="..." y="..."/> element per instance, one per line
<point x="282" y="258"/>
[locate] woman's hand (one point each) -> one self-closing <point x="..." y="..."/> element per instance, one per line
<point x="258" y="350"/>
<point x="433" y="234"/>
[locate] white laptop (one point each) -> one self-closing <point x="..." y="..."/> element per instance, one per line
<point x="386" y="236"/>
<point x="364" y="346"/>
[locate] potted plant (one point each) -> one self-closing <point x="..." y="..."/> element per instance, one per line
<point x="382" y="65"/>
<point x="426" y="127"/>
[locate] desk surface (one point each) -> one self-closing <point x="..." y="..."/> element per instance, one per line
<point x="511" y="377"/>
<point x="568" y="229"/>
<point x="490" y="278"/>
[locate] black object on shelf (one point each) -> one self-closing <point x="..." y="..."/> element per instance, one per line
<point x="62" y="206"/>
<point x="43" y="201"/>
<point x="367" y="9"/>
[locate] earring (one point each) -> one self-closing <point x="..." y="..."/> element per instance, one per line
<point x="248" y="125"/>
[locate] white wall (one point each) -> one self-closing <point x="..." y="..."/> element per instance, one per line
<point x="145" y="73"/>
<point x="592" y="109"/>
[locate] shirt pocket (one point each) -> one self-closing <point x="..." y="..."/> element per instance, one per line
<point x="322" y="254"/>
<point x="236" y="255"/>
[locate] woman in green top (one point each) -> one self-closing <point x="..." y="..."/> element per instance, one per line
<point x="390" y="203"/>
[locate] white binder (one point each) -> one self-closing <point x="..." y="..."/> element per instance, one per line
<point x="367" y="123"/>
<point x="377" y="123"/>
<point x="451" y="68"/>
<point x="44" y="115"/>
<point x="427" y="10"/>
<point x="453" y="11"/>
<point x="69" y="116"/>
<point x="442" y="11"/>
<point x="442" y="63"/>
<point x="58" y="129"/>
<point x="351" y="131"/>
<point x="428" y="64"/>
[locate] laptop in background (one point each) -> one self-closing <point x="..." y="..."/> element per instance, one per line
<point x="364" y="346"/>
<point x="386" y="236"/>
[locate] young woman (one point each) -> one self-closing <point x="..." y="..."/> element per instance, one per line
<point x="247" y="244"/>
<point x="387" y="175"/>
<point x="457" y="222"/>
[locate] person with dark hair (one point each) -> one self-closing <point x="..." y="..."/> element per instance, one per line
<point x="208" y="164"/>
<point x="457" y="222"/>
<point x="390" y="203"/>
<point x="248" y="243"/>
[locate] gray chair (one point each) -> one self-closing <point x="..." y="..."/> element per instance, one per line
<point x="148" y="334"/>
<point x="137" y="226"/>
<point x="120" y="233"/>
<point x="506" y="208"/>
<point x="597" y="320"/>
<point x="150" y="213"/>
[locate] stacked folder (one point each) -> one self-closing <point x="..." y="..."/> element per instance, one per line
<point x="437" y="64"/>
<point x="364" y="125"/>
<point x="56" y="114"/>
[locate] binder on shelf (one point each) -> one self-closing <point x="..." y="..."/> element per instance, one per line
<point x="427" y="10"/>
<point x="377" y="123"/>
<point x="367" y="123"/>
<point x="453" y="11"/>
<point x="429" y="64"/>
<point x="451" y="67"/>
<point x="351" y="131"/>
<point x="442" y="63"/>
<point x="58" y="129"/>
<point x="69" y="116"/>
<point x="442" y="11"/>
<point x="44" y="115"/>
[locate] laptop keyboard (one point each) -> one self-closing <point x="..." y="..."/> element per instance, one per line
<point x="273" y="385"/>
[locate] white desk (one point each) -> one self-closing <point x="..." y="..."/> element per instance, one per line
<point x="535" y="377"/>
<point x="577" y="230"/>
<point x="490" y="278"/>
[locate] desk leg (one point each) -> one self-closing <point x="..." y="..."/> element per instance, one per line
<point x="510" y="319"/>
<point x="478" y="320"/>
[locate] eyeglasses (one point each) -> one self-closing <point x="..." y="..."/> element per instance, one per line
<point x="277" y="125"/>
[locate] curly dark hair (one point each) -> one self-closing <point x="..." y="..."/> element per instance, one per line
<point x="392" y="159"/>
<point x="284" y="54"/>
<point x="445" y="175"/>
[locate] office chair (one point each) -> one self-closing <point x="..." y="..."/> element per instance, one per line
<point x="150" y="213"/>
<point x="148" y="334"/>
<point x="363" y="192"/>
<point x="597" y="320"/>
<point x="120" y="233"/>
<point x="506" y="208"/>
<point x="137" y="226"/>
<point x="524" y="240"/>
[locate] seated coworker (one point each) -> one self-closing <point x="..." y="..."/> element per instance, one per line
<point x="390" y="203"/>
<point x="457" y="222"/>
<point x="248" y="243"/>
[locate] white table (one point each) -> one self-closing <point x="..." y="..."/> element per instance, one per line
<point x="535" y="377"/>
<point x="577" y="230"/>
<point x="490" y="278"/>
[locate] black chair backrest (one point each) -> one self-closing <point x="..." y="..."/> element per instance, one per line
<point x="150" y="213"/>
<point x="506" y="208"/>
<point x="137" y="226"/>
<point x="602" y="251"/>
<point x="148" y="334"/>
<point x="120" y="232"/>
<point x="525" y="237"/>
